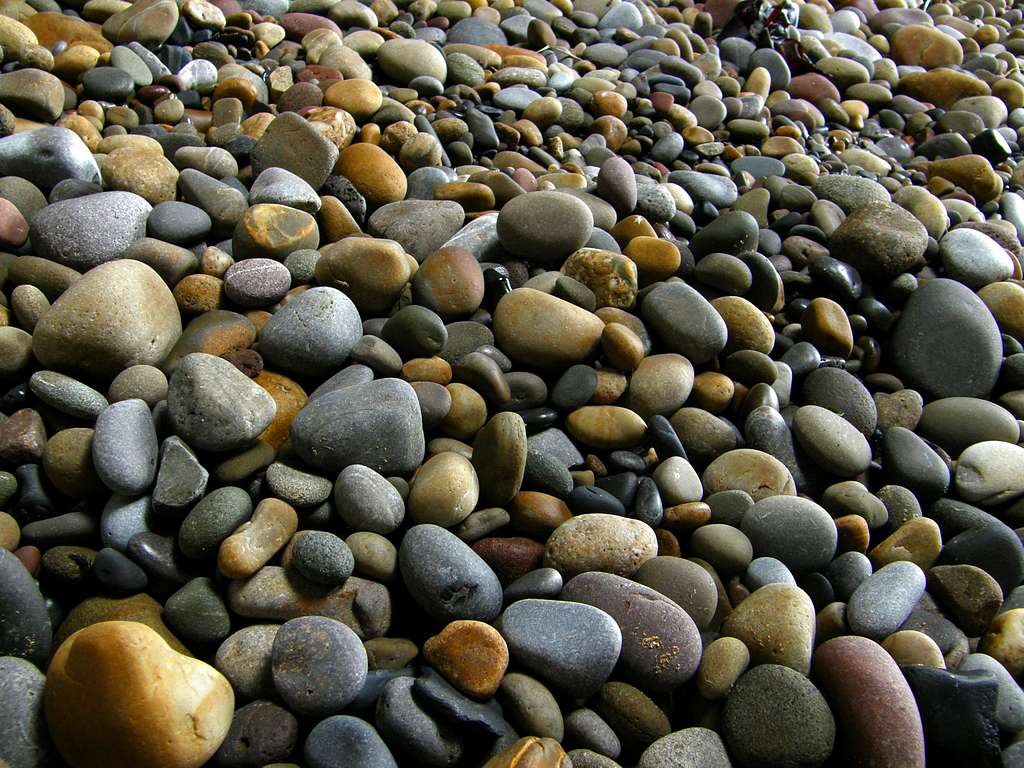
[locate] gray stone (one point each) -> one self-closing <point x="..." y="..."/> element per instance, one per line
<point x="1009" y="699"/>
<point x="319" y="665"/>
<point x="946" y="343"/>
<point x="122" y="518"/>
<point x="245" y="660"/>
<point x="366" y="501"/>
<point x="792" y="529"/>
<point x="720" y="191"/>
<point x="544" y="227"/>
<point x="214" y="406"/>
<point x="314" y="332"/>
<point x="292" y="143"/>
<point x="689" y="748"/>
<point x="973" y="258"/>
<point x="832" y="442"/>
<point x="880" y="240"/>
<point x="446" y="578"/>
<point x="47" y="156"/>
<point x="883" y="601"/>
<point x="212" y="520"/>
<point x="26" y="743"/>
<point x="181" y="479"/>
<point x="281" y="186"/>
<point x="125" y="447"/>
<point x="411" y="731"/>
<point x="956" y="423"/>
<point x="67" y="395"/>
<point x="343" y="738"/>
<point x="85" y="231"/>
<point x="197" y="613"/>
<point x="685" y="322"/>
<point x="377" y="424"/>
<point x="300" y="489"/>
<point x="572" y="646"/>
<point x="25" y="629"/>
<point x="775" y="716"/>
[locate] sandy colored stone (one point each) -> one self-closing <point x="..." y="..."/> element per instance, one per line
<point x="611" y="276"/>
<point x="925" y="46"/>
<point x="370" y="271"/>
<point x="776" y="623"/>
<point x="117" y="696"/>
<point x="827" y="327"/>
<point x="600" y="542"/>
<point x="147" y="174"/>
<point x="910" y="647"/>
<point x="748" y="327"/>
<point x="51" y="27"/>
<point x="745" y="469"/>
<point x="538" y="329"/>
<point x="608" y="427"/>
<point x="471" y="655"/>
<point x="117" y="315"/>
<point x="1006" y="303"/>
<point x="943" y="87"/>
<point x="360" y="98"/>
<point x="373" y="172"/>
<point x="918" y="540"/>
<point x="972" y="172"/>
<point x="1004" y="640"/>
<point x="250" y="547"/>
<point x="724" y="660"/>
<point x="444" y="491"/>
<point x="531" y="752"/>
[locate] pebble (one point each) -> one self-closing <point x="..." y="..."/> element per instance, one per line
<point x="25" y="628"/>
<point x="775" y="716"/>
<point x="346" y="735"/>
<point x="181" y="707"/>
<point x="884" y="600"/>
<point x="548" y="637"/>
<point x="318" y="665"/>
<point x="124" y="447"/>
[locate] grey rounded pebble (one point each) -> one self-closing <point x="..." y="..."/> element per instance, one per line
<point x="26" y="742"/>
<point x="196" y="612"/>
<point x="410" y="730"/>
<point x="973" y="258"/>
<point x="766" y="570"/>
<point x="298" y="488"/>
<point x="125" y="448"/>
<point x="253" y="283"/>
<point x="832" y="442"/>
<point x="261" y="733"/>
<point x="25" y="629"/>
<point x="685" y="322"/>
<point x="313" y="333"/>
<point x="322" y="557"/>
<point x="376" y="424"/>
<point x="244" y="659"/>
<point x="212" y="520"/>
<point x="884" y="600"/>
<point x="319" y="665"/>
<point x="366" y="501"/>
<point x="446" y="578"/>
<point x="342" y="741"/>
<point x="796" y="531"/>
<point x="774" y="716"/>
<point x="689" y="748"/>
<point x="86" y="231"/>
<point x="946" y="342"/>
<point x="216" y="407"/>
<point x="46" y="156"/>
<point x="572" y="646"/>
<point x="1009" y="699"/>
<point x="144" y="382"/>
<point x="122" y="518"/>
<point x="67" y="395"/>
<point x="589" y="730"/>
<point x="544" y="226"/>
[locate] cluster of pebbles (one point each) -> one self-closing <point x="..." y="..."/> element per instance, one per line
<point x="512" y="384"/>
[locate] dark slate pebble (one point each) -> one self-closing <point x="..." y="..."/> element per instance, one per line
<point x="541" y="583"/>
<point x="589" y="498"/>
<point x="322" y="557"/>
<point x="342" y="741"/>
<point x="319" y="665"/>
<point x="25" y="629"/>
<point x="212" y="520"/>
<point x="909" y="461"/>
<point x="973" y="537"/>
<point x="958" y="712"/>
<point x="261" y="732"/>
<point x="946" y="343"/>
<point x="842" y="392"/>
<point x="108" y="84"/>
<point x="180" y="223"/>
<point x="446" y="578"/>
<point x="546" y="474"/>
<point x="117" y="573"/>
<point x="407" y="728"/>
<point x="197" y="612"/>
<point x="444" y="701"/>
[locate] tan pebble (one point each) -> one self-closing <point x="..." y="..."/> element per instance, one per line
<point x="712" y="391"/>
<point x="759" y="474"/>
<point x="611" y="276"/>
<point x="531" y="752"/>
<point x="748" y="327"/>
<point x="1006" y="303"/>
<point x="655" y="259"/>
<point x="660" y="384"/>
<point x="542" y="330"/>
<point x="918" y="540"/>
<point x="724" y="660"/>
<point x="912" y="648"/>
<point x="250" y="547"/>
<point x="371" y="272"/>
<point x="537" y="514"/>
<point x="67" y="462"/>
<point x="468" y="412"/>
<point x="1004" y="640"/>
<point x="600" y="542"/>
<point x="471" y="655"/>
<point x="435" y="369"/>
<point x="197" y="294"/>
<point x="622" y="348"/>
<point x="607" y="427"/>
<point x="444" y="491"/>
<point x="776" y="623"/>
<point x="373" y="172"/>
<point x="10" y="532"/>
<point x="117" y="696"/>
<point x="827" y="327"/>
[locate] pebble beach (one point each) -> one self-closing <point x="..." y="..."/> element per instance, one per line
<point x="511" y="384"/>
